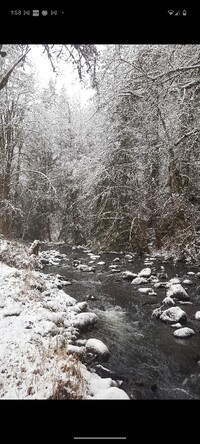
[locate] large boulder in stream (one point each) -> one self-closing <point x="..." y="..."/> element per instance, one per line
<point x="178" y="292"/>
<point x="97" y="347"/>
<point x="173" y="315"/>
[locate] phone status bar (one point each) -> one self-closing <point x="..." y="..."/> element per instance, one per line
<point x="36" y="12"/>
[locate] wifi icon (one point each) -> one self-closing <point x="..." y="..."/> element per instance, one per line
<point x="170" y="12"/>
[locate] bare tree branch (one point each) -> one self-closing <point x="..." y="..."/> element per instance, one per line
<point x="5" y="78"/>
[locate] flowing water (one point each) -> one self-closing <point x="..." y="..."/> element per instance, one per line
<point x="144" y="354"/>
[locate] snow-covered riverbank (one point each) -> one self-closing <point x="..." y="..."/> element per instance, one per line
<point x="40" y="329"/>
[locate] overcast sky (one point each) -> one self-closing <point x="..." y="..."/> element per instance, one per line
<point x="66" y="75"/>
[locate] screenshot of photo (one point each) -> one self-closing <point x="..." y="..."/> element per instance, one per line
<point x="100" y="213"/>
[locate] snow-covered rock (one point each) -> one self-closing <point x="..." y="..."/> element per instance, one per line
<point x="139" y="280"/>
<point x="145" y="273"/>
<point x="173" y="315"/>
<point x="156" y="313"/>
<point x="79" y="307"/>
<point x="177" y="325"/>
<point x="95" y="383"/>
<point x="172" y="281"/>
<point x="80" y="351"/>
<point x="197" y="315"/>
<point x="159" y="284"/>
<point x="187" y="282"/>
<point x="58" y="301"/>
<point x="191" y="273"/>
<point x="178" y="292"/>
<point x="59" y="283"/>
<point x="184" y="332"/>
<point x="168" y="300"/>
<point x="84" y="267"/>
<point x="117" y="259"/>
<point x="101" y="263"/>
<point x="128" y="256"/>
<point x="98" y="347"/>
<point x="83" y="320"/>
<point x="94" y="256"/>
<point x="128" y="275"/>
<point x="198" y="274"/>
<point x="111" y="393"/>
<point x="147" y="290"/>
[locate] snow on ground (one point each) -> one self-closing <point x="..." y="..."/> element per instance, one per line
<point x="39" y="327"/>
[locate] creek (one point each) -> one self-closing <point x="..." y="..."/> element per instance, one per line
<point x="143" y="351"/>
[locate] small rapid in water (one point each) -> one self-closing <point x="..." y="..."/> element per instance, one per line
<point x="144" y="354"/>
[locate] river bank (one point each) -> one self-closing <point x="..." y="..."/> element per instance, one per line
<point x="39" y="323"/>
<point x="77" y="297"/>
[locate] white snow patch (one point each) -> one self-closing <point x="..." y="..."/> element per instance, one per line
<point x="111" y="393"/>
<point x="147" y="290"/>
<point x="197" y="315"/>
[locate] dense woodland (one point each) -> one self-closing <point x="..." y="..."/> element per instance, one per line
<point x="124" y="173"/>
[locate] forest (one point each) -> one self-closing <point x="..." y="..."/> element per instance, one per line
<point x="122" y="174"/>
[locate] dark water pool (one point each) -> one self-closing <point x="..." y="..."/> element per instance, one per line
<point x="152" y="363"/>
